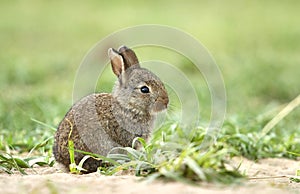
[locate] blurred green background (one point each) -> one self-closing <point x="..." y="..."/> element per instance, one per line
<point x="255" y="43"/>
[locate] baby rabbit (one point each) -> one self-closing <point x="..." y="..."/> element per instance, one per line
<point x="101" y="121"/>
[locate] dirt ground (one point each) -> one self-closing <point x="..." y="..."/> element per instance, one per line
<point x="54" y="181"/>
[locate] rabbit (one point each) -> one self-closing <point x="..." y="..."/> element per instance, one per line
<point x="100" y="122"/>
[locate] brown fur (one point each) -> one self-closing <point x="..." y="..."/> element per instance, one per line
<point x="99" y="122"/>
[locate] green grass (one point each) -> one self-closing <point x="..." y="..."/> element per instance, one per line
<point x="11" y="164"/>
<point x="255" y="43"/>
<point x="171" y="154"/>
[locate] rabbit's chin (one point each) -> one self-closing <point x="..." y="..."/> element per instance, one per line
<point x="158" y="107"/>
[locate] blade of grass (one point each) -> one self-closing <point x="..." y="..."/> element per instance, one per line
<point x="283" y="113"/>
<point x="44" y="124"/>
<point x="41" y="144"/>
<point x="97" y="156"/>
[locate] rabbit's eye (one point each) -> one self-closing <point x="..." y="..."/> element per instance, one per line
<point x="145" y="89"/>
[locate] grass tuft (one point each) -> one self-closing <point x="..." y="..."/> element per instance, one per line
<point x="11" y="164"/>
<point x="180" y="161"/>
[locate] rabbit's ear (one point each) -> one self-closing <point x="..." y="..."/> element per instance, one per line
<point x="116" y="61"/>
<point x="129" y="57"/>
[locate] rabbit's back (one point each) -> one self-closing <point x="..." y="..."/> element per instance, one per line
<point x="86" y="124"/>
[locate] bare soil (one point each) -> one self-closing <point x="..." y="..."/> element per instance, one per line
<point x="266" y="176"/>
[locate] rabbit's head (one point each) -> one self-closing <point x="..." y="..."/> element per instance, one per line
<point x="138" y="90"/>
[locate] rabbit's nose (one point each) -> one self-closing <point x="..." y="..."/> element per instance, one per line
<point x="165" y="101"/>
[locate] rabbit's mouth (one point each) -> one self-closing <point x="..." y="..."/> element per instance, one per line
<point x="160" y="104"/>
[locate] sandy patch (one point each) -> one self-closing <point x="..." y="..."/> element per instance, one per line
<point x="52" y="180"/>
